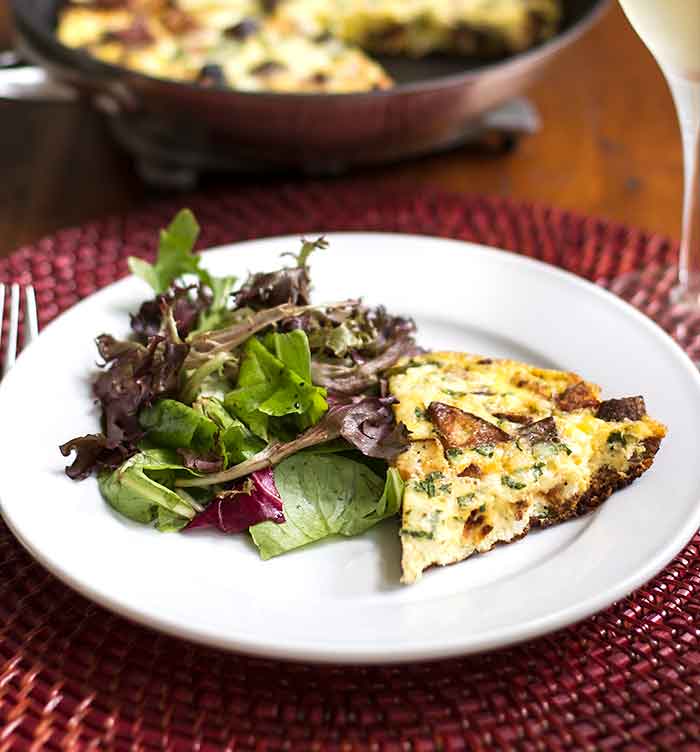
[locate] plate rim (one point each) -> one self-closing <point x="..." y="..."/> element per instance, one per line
<point x="417" y="651"/>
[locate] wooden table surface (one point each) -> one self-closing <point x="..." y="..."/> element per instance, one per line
<point x="609" y="146"/>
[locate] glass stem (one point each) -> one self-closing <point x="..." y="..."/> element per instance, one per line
<point x="686" y="95"/>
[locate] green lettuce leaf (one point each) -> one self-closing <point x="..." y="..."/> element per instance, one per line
<point x="175" y="256"/>
<point x="274" y="381"/>
<point x="169" y="522"/>
<point x="218" y="315"/>
<point x="325" y="495"/>
<point x="293" y="350"/>
<point x="171" y="424"/>
<point x="254" y="385"/>
<point x="137" y="489"/>
<point x="213" y="408"/>
<point x="238" y="442"/>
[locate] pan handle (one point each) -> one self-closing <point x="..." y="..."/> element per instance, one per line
<point x="29" y="83"/>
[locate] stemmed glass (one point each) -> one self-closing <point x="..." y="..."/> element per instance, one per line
<point x="671" y="30"/>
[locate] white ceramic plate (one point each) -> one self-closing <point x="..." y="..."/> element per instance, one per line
<point x="341" y="600"/>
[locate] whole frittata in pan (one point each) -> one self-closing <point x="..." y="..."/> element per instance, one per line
<point x="297" y="45"/>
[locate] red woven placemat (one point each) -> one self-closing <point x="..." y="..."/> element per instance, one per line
<point x="73" y="676"/>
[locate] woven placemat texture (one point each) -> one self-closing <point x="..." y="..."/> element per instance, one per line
<point x="74" y="676"/>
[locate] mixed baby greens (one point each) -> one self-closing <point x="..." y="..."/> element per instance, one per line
<point x="246" y="407"/>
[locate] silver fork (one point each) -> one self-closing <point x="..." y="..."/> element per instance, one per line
<point x="31" y="326"/>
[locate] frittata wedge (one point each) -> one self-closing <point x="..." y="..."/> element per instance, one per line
<point x="296" y="45"/>
<point x="499" y="447"/>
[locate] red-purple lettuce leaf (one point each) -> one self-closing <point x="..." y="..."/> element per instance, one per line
<point x="134" y="376"/>
<point x="95" y="452"/>
<point x="369" y="425"/>
<point x="186" y="303"/>
<point x="209" y="462"/>
<point x="252" y="501"/>
<point x="290" y="285"/>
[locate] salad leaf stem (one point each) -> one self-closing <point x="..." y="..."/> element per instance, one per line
<point x="135" y="482"/>
<point x="273" y="454"/>
<point x="191" y="386"/>
<point x="354" y="379"/>
<point x="307" y="248"/>
<point x="208" y="344"/>
<point x="189" y="499"/>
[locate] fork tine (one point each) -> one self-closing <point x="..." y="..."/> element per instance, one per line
<point x="31" y="324"/>
<point x="11" y="352"/>
<point x="2" y="307"/>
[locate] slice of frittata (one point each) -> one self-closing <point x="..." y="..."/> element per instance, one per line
<point x="498" y="447"/>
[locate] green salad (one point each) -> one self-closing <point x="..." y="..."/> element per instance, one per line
<point x="240" y="405"/>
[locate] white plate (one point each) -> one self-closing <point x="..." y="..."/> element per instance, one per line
<point x="340" y="600"/>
